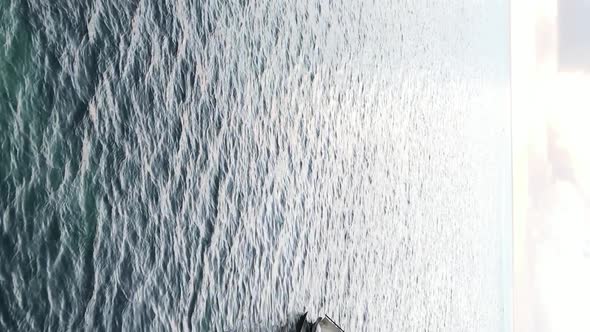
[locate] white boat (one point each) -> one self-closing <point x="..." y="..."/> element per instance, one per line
<point x="326" y="324"/>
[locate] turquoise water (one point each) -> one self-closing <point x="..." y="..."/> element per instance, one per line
<point x="226" y="165"/>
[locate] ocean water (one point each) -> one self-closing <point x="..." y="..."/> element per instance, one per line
<point x="227" y="165"/>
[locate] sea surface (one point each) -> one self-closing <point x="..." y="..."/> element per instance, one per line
<point x="228" y="165"/>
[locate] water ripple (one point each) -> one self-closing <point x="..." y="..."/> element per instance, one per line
<point x="225" y="165"/>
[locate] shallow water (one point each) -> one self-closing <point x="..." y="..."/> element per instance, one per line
<point x="226" y="165"/>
